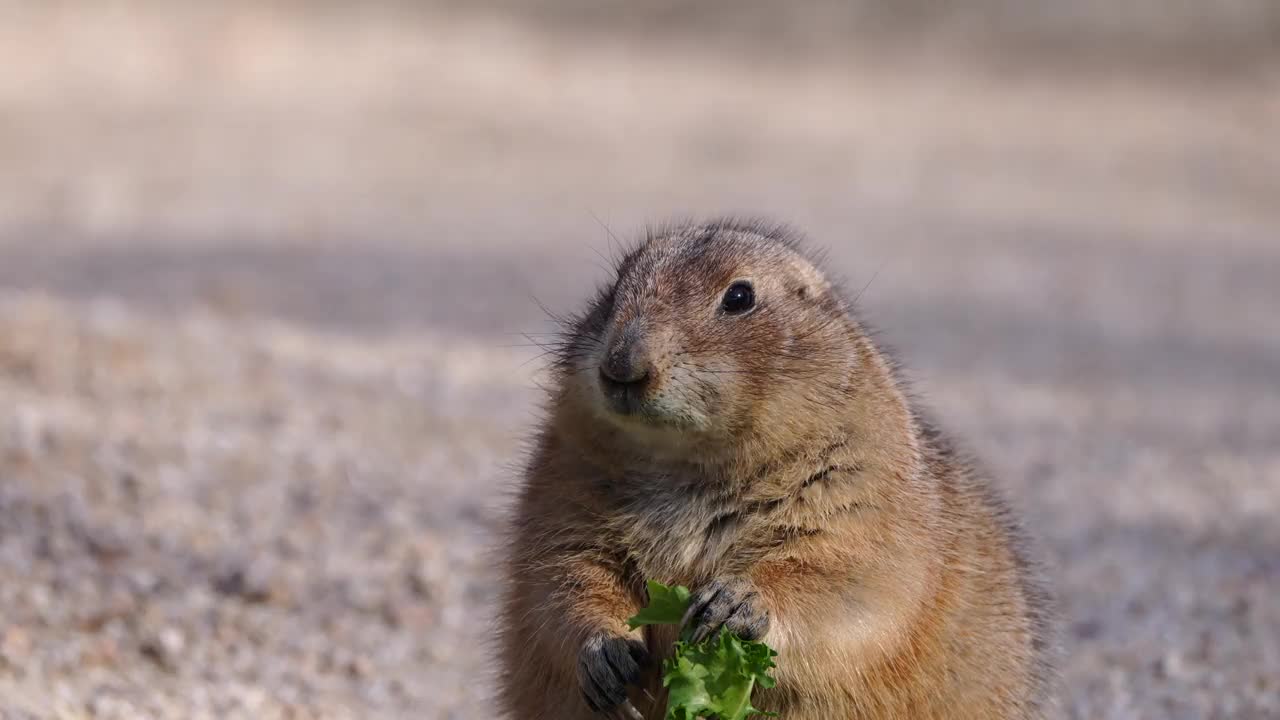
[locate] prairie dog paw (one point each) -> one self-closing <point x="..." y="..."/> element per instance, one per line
<point x="727" y="602"/>
<point x="607" y="664"/>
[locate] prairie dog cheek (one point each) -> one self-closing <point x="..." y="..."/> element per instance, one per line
<point x="707" y="383"/>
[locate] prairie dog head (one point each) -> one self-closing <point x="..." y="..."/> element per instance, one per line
<point x="709" y="333"/>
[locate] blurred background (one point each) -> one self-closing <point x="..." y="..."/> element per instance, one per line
<point x="265" y="266"/>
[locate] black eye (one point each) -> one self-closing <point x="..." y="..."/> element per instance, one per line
<point x="739" y="298"/>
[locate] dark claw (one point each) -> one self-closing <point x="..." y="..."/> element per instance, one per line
<point x="606" y="666"/>
<point x="727" y="602"/>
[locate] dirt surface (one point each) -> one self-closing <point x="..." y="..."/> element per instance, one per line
<point x="264" y="270"/>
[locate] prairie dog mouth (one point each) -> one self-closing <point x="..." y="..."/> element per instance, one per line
<point x="625" y="397"/>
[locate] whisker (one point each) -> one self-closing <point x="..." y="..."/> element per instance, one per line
<point x="874" y="275"/>
<point x="609" y="232"/>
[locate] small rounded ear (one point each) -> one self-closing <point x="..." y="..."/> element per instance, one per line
<point x="808" y="281"/>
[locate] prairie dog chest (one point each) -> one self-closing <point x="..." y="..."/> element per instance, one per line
<point x="680" y="538"/>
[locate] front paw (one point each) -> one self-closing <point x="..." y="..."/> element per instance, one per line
<point x="730" y="602"/>
<point x="607" y="664"/>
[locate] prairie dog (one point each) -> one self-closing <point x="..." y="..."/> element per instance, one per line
<point x="720" y="419"/>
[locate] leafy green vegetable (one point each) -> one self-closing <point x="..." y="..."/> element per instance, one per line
<point x="666" y="606"/>
<point x="712" y="679"/>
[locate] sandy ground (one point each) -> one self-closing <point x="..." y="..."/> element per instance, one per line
<point x="263" y="274"/>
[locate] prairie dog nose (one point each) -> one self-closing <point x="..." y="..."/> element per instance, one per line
<point x="627" y="360"/>
<point x="621" y="365"/>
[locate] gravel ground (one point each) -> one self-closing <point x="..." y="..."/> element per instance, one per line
<point x="206" y="518"/>
<point x="263" y="274"/>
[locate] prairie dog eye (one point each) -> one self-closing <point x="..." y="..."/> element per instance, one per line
<point x="739" y="298"/>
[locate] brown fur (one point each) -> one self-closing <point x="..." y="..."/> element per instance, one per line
<point x="778" y="447"/>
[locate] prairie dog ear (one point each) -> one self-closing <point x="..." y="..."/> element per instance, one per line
<point x="807" y="281"/>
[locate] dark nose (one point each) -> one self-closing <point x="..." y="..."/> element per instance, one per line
<point x="626" y="362"/>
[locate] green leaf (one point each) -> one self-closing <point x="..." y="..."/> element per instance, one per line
<point x="715" y="678"/>
<point x="710" y="680"/>
<point x="666" y="606"/>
